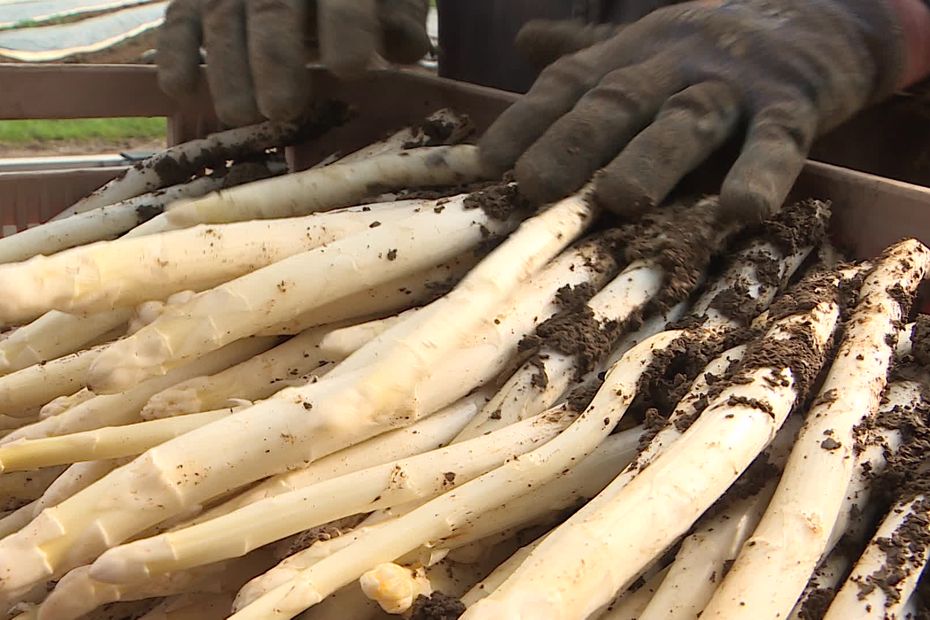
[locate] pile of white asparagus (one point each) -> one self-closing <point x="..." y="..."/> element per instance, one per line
<point x="387" y="386"/>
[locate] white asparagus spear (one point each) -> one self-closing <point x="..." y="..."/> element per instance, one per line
<point x="129" y="271"/>
<point x="663" y="501"/>
<point x="822" y="586"/>
<point x="38" y="384"/>
<point x="382" y="486"/>
<point x="499" y="575"/>
<point x="581" y="481"/>
<point x="54" y="335"/>
<point x="886" y="575"/>
<point x="443" y="126"/>
<point x="101" y="443"/>
<point x="275" y="434"/>
<point x="72" y="480"/>
<point x="78" y="593"/>
<point x="702" y="559"/>
<point x="281" y="291"/>
<point x="179" y="162"/>
<point x="98" y="224"/>
<point x="385" y="299"/>
<point x="124" y="407"/>
<point x="442" y="516"/>
<point x="430" y="433"/>
<point x="537" y="384"/>
<point x="19" y="488"/>
<point x="337" y="185"/>
<point x="343" y="342"/>
<point x="254" y="379"/>
<point x="630" y="605"/>
<point x="63" y="403"/>
<point x="792" y="536"/>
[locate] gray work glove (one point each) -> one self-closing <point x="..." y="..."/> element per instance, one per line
<point x="650" y="101"/>
<point x="257" y="49"/>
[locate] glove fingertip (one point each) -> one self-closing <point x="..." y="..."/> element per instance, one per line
<point x="747" y="200"/>
<point x="538" y="183"/>
<point x="622" y="196"/>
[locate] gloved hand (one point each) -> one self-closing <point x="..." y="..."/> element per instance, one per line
<point x="257" y="49"/>
<point x="654" y="99"/>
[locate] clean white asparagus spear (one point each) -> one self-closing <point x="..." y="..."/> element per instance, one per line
<point x="54" y="335"/>
<point x="430" y="433"/>
<point x="666" y="498"/>
<point x="382" y="486"/>
<point x="277" y="433"/>
<point x="631" y="604"/>
<point x="38" y="384"/>
<point x="72" y="480"/>
<point x="19" y="488"/>
<point x="886" y="575"/>
<point x="180" y="162"/>
<point x="124" y="407"/>
<point x="129" y="271"/>
<point x="98" y="224"/>
<point x="63" y="403"/>
<point x="101" y="443"/>
<point x="337" y="185"/>
<point x="704" y="555"/>
<point x="255" y="379"/>
<point x="583" y="480"/>
<point x="442" y="516"/>
<point x="343" y="342"/>
<point x="792" y="537"/>
<point x="386" y="299"/>
<point x="281" y="291"/>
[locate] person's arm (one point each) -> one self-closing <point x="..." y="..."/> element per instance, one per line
<point x="653" y="99"/>
<point x="257" y="49"/>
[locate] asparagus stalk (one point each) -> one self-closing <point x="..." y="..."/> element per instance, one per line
<point x="38" y="384"/>
<point x="499" y="575"/>
<point x="382" y="486"/>
<point x="254" y="379"/>
<point x="101" y="443"/>
<point x="705" y="554"/>
<point x="444" y="126"/>
<point x="442" y="516"/>
<point x="394" y="296"/>
<point x="337" y="185"/>
<point x="63" y="403"/>
<point x="178" y="163"/>
<point x="97" y="224"/>
<point x="275" y="434"/>
<point x="129" y="271"/>
<point x="280" y="291"/>
<point x="581" y="481"/>
<point x="886" y="575"/>
<point x="430" y="433"/>
<point x="342" y="342"/>
<point x="124" y="408"/>
<point x="72" y="480"/>
<point x="663" y="500"/>
<point x="54" y="335"/>
<point x="820" y="590"/>
<point x="631" y="604"/>
<point x="19" y="488"/>
<point x="795" y="530"/>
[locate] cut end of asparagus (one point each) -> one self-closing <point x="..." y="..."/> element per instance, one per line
<point x="394" y="587"/>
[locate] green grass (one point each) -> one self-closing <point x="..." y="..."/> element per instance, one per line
<point x="20" y="132"/>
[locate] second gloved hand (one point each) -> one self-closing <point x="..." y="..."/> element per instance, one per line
<point x="654" y="99"/>
<point x="257" y="49"/>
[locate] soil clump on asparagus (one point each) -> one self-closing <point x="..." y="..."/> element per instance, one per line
<point x="816" y="604"/>
<point x="499" y="201"/>
<point x="920" y="339"/>
<point x="436" y="606"/>
<point x="439" y="131"/>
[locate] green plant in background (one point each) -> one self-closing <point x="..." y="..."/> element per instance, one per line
<point x="26" y="131"/>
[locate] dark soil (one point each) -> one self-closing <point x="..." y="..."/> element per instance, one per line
<point x="499" y="202"/>
<point x="436" y="606"/>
